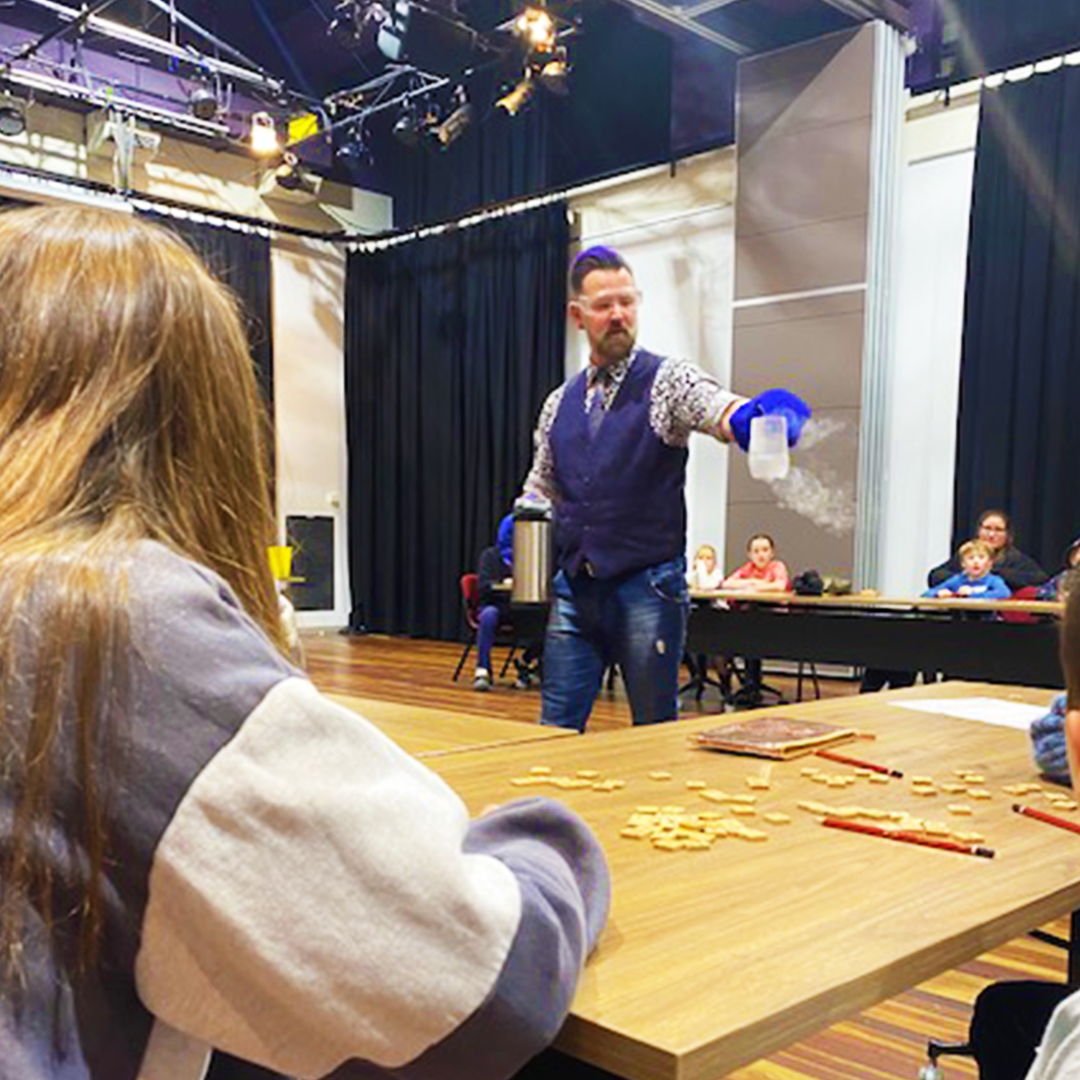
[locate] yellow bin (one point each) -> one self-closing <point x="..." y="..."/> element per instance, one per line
<point x="280" y="562"/>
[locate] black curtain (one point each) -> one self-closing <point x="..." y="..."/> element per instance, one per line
<point x="451" y="345"/>
<point x="241" y="260"/>
<point x="1018" y="440"/>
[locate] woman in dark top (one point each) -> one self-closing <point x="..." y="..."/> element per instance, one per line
<point x="1018" y="570"/>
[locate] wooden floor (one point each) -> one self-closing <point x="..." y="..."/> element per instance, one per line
<point x="887" y="1042"/>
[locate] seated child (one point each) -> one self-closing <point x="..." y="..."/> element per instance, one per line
<point x="1056" y="587"/>
<point x="975" y="580"/>
<point x="705" y="574"/>
<point x="763" y="572"/>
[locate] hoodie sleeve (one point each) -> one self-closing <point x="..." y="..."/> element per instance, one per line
<point x="317" y="901"/>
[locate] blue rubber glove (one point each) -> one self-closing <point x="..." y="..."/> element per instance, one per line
<point x="768" y="403"/>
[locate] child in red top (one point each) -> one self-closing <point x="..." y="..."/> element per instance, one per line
<point x="764" y="572"/>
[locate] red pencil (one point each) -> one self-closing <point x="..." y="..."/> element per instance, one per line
<point x="832" y="755"/>
<point x="1038" y="815"/>
<point x="908" y="837"/>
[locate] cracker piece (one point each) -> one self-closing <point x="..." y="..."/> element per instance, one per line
<point x="978" y="793"/>
<point x="696" y="785"/>
<point x="960" y="809"/>
<point x="757" y="783"/>
<point x="744" y="811"/>
<point x="659" y="774"/>
<point x="878" y="778"/>
<point x="588" y="774"/>
<point x="777" y="818"/>
<point x="541" y="770"/>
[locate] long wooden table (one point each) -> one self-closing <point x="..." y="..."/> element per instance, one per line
<point x="954" y="636"/>
<point x="714" y="959"/>
<point x="426" y="733"/>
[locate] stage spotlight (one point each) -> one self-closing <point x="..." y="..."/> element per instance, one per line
<point x="537" y="29"/>
<point x="355" y="148"/>
<point x="204" y="103"/>
<point x="292" y="176"/>
<point x="407" y="126"/>
<point x="264" y="140"/>
<point x="12" y="116"/>
<point x="356" y="24"/>
<point x="515" y="100"/>
<point x="555" y="74"/>
<point x="455" y="125"/>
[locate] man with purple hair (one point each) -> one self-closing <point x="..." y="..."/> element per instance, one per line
<point x="610" y="455"/>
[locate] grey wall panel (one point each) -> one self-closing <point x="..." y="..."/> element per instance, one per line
<point x="815" y="255"/>
<point x="801" y="545"/>
<point x="815" y="84"/>
<point x="830" y="181"/>
<point x="813" y="307"/>
<point x="820" y="359"/>
<point x="805" y="139"/>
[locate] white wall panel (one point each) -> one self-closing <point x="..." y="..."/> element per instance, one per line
<point x="309" y="397"/>
<point x="924" y="388"/>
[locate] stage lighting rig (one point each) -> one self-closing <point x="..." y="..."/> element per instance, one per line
<point x="356" y="24"/>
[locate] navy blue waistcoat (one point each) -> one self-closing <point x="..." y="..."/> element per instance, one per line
<point x="621" y="504"/>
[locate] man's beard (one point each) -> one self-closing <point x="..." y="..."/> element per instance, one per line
<point x="615" y="345"/>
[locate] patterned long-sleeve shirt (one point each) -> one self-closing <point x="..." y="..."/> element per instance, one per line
<point x="684" y="399"/>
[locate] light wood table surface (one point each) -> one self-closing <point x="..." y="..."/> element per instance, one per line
<point x="714" y="959"/>
<point x="425" y="732"/>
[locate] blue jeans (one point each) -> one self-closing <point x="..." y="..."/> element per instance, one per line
<point x="637" y="621"/>
<point x="489" y="620"/>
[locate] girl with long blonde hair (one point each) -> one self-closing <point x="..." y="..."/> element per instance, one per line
<point x="197" y="850"/>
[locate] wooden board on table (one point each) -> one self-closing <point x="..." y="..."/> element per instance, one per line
<point x="713" y="959"/>
<point x="427" y="732"/>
